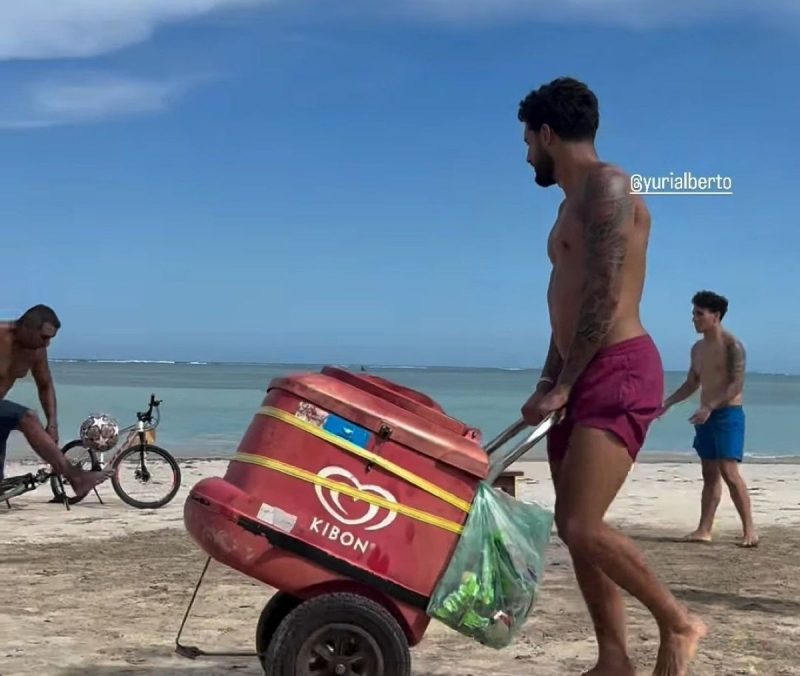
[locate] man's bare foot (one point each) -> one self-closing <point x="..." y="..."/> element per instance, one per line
<point x="678" y="649"/>
<point x="83" y="482"/>
<point x="749" y="540"/>
<point x="698" y="536"/>
<point x="608" y="668"/>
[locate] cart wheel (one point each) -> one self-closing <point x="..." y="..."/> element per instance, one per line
<point x="277" y="608"/>
<point x="341" y="635"/>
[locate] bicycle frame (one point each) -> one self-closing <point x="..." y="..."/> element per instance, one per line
<point x="140" y="428"/>
<point x="14" y="486"/>
<point x="132" y="436"/>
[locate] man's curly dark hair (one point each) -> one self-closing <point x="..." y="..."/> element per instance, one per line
<point x="713" y="302"/>
<point x="566" y="105"/>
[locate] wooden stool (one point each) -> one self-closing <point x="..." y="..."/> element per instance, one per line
<point x="507" y="482"/>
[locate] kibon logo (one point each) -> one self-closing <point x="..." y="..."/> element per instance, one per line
<point x="358" y="512"/>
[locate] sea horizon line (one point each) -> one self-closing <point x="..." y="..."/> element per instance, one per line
<point x="319" y="364"/>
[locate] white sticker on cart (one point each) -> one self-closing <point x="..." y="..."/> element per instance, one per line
<point x="277" y="517"/>
<point x="311" y="414"/>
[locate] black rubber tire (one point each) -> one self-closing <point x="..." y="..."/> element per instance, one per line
<point x="58" y="496"/>
<point x="337" y="611"/>
<point x="275" y="610"/>
<point x="149" y="448"/>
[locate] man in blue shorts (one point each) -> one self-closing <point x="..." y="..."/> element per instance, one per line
<point x="718" y="368"/>
<point x="23" y="349"/>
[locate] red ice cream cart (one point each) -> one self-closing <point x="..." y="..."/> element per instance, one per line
<point x="348" y="494"/>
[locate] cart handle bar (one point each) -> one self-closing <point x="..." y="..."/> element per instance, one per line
<point x="500" y="462"/>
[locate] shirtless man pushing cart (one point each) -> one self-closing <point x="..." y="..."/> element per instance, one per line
<point x="603" y="371"/>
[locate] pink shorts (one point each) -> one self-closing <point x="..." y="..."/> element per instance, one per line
<point x="620" y="391"/>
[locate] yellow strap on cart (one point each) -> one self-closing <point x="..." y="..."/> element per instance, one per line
<point x="375" y="459"/>
<point x="371" y="498"/>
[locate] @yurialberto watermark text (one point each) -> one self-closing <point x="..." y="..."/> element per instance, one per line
<point x="685" y="183"/>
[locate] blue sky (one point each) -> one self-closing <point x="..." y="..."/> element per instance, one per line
<point x="308" y="181"/>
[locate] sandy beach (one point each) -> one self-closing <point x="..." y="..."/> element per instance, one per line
<point x="101" y="590"/>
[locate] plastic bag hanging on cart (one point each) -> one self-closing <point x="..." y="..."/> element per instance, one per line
<point x="491" y="583"/>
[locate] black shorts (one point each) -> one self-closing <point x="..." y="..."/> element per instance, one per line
<point x="10" y="415"/>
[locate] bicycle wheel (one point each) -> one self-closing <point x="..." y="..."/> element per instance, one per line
<point x="82" y="457"/>
<point x="151" y="467"/>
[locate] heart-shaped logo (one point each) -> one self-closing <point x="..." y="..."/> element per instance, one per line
<point x="332" y="500"/>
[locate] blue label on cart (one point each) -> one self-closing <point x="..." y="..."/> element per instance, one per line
<point x="347" y="430"/>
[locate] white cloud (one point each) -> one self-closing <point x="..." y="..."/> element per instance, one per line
<point x="59" y="29"/>
<point x="628" y="13"/>
<point x="82" y="98"/>
<point x="51" y="29"/>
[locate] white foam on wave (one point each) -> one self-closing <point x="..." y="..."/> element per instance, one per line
<point x="113" y="361"/>
<point x="133" y="361"/>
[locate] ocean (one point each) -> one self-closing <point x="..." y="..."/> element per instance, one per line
<point x="208" y="406"/>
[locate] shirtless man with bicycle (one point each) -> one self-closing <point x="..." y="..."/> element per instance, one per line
<point x="23" y="349"/>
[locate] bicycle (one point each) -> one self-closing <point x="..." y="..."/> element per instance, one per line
<point x="135" y="447"/>
<point x="14" y="486"/>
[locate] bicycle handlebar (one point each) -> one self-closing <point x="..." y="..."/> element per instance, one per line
<point x="147" y="416"/>
<point x="44" y="475"/>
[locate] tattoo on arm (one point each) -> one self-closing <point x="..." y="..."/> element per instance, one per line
<point x="735" y="365"/>
<point x="734" y="377"/>
<point x="607" y="208"/>
<point x="553" y="363"/>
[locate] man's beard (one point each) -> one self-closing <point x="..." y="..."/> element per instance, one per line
<point x="545" y="171"/>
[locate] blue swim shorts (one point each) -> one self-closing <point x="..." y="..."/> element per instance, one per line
<point x="10" y="415"/>
<point x="721" y="437"/>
